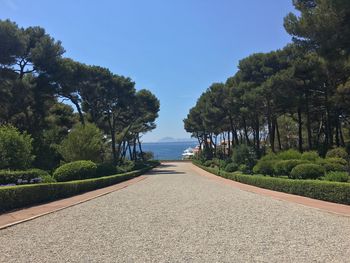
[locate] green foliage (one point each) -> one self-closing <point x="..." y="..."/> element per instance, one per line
<point x="333" y="164"/>
<point x="26" y="195"/>
<point x="289" y="155"/>
<point x="24" y="177"/>
<point x="84" y="142"/>
<point x="322" y="190"/>
<point x="337" y="177"/>
<point x="337" y="153"/>
<point x="311" y="156"/>
<point x="265" y="166"/>
<point x="285" y="167"/>
<point x="148" y="156"/>
<point x="208" y="163"/>
<point x="244" y="155"/>
<point x="78" y="170"/>
<point x="15" y="148"/>
<point x="105" y="169"/>
<point x="231" y="167"/>
<point x="307" y="171"/>
<point x="244" y="169"/>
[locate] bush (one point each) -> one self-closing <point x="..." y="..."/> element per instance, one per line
<point x="208" y="163"/>
<point x="105" y="169"/>
<point x="231" y="167"/>
<point x="15" y="149"/>
<point x="289" y="155"/>
<point x="148" y="156"/>
<point x="311" y="156"/>
<point x="265" y="167"/>
<point x="244" y="155"/>
<point x="24" y="195"/>
<point x="84" y="142"/>
<point x="285" y="167"/>
<point x="244" y="169"/>
<point x="77" y="170"/>
<point x="333" y="164"/>
<point x="337" y="177"/>
<point x="307" y="171"/>
<point x="337" y="153"/>
<point x="24" y="177"/>
<point x="323" y="190"/>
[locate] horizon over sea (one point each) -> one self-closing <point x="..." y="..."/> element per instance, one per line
<point x="167" y="150"/>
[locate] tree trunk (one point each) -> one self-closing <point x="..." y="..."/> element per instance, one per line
<point x="257" y="139"/>
<point x="308" y="122"/>
<point x="246" y="131"/>
<point x="80" y="112"/>
<point x="300" y="131"/>
<point x="141" y="152"/>
<point x="278" y="136"/>
<point x="111" y="125"/>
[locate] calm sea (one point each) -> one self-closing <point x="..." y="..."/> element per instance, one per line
<point x="167" y="150"/>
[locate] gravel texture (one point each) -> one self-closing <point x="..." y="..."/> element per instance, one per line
<point x="177" y="216"/>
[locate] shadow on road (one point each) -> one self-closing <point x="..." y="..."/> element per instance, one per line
<point x="156" y="171"/>
<point x="166" y="165"/>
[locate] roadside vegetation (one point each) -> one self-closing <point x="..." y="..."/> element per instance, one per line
<point x="62" y="120"/>
<point x="283" y="118"/>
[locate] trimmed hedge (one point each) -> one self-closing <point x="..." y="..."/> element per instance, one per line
<point x="317" y="189"/>
<point x="77" y="170"/>
<point x="337" y="177"/>
<point x="285" y="167"/>
<point x="337" y="153"/>
<point x="333" y="164"/>
<point x="25" y="195"/>
<point x="24" y="177"/>
<point x="307" y="171"/>
<point x="265" y="167"/>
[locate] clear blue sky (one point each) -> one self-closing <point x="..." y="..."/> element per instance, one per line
<point x="175" y="48"/>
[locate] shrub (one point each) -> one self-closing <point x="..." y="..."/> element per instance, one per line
<point x="284" y="167"/>
<point x="307" y="171"/>
<point x="45" y="176"/>
<point x="84" y="142"/>
<point x="333" y="164"/>
<point x="105" y="169"/>
<point x="244" y="169"/>
<point x="231" y="167"/>
<point x="289" y="155"/>
<point x="337" y="153"/>
<point x="311" y="156"/>
<point x="77" y="170"/>
<point x="244" y="155"/>
<point x="24" y="177"/>
<point x="265" y="167"/>
<point x="208" y="163"/>
<point x="148" y="156"/>
<point x="270" y="156"/>
<point x="219" y="163"/>
<point x="15" y="149"/>
<point x="337" y="177"/>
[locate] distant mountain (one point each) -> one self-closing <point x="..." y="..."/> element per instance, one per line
<point x="171" y="139"/>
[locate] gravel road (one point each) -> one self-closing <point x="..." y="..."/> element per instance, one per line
<point x="175" y="215"/>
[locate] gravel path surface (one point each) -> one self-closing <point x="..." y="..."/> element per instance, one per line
<point x="177" y="216"/>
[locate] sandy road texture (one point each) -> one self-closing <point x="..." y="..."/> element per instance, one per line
<point x="175" y="215"/>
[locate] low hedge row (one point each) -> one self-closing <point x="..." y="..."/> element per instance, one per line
<point x="25" y="195"/>
<point x="23" y="177"/>
<point x="317" y="189"/>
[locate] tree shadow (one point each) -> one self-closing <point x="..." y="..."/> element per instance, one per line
<point x="164" y="165"/>
<point x="166" y="171"/>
